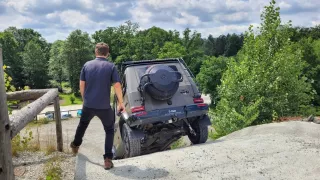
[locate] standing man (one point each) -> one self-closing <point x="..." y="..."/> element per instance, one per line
<point x="96" y="78"/>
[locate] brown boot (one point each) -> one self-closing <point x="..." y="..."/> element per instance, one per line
<point x="108" y="164"/>
<point x="74" y="148"/>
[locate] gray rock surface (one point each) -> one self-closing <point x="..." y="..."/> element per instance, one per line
<point x="288" y="150"/>
<point x="316" y="120"/>
<point x="309" y="119"/>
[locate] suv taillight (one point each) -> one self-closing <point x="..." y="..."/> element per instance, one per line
<point x="137" y="109"/>
<point x="198" y="100"/>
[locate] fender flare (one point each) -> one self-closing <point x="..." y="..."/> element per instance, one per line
<point x="205" y="120"/>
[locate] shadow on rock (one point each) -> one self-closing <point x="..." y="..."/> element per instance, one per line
<point x="126" y="172"/>
<point x="133" y="172"/>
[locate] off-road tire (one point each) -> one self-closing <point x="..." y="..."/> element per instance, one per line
<point x="160" y="95"/>
<point x="132" y="145"/>
<point x="201" y="131"/>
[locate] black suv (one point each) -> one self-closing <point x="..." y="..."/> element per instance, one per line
<point x="162" y="103"/>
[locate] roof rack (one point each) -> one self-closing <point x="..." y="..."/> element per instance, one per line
<point x="150" y="61"/>
<point x="123" y="65"/>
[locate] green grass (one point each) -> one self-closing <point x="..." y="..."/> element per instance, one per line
<point x="66" y="86"/>
<point x="67" y="101"/>
<point x="53" y="170"/>
<point x="77" y="100"/>
<point x="179" y="143"/>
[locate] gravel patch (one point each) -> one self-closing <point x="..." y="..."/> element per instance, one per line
<point x="31" y="165"/>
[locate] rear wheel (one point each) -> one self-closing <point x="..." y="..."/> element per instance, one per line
<point x="132" y="145"/>
<point x="201" y="131"/>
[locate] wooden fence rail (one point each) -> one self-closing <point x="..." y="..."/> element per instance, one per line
<point x="22" y="117"/>
<point x="11" y="125"/>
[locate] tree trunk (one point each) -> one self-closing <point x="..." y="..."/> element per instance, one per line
<point x="6" y="168"/>
<point x="21" y="118"/>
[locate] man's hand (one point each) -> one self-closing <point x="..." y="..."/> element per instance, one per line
<point x="120" y="107"/>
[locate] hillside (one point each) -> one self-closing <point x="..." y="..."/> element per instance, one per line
<point x="288" y="150"/>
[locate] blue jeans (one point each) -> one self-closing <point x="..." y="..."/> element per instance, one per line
<point x="107" y="118"/>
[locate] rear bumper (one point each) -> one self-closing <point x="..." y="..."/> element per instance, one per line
<point x="164" y="115"/>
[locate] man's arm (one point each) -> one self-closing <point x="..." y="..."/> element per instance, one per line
<point x="82" y="86"/>
<point x="118" y="91"/>
<point x="82" y="83"/>
<point x="115" y="79"/>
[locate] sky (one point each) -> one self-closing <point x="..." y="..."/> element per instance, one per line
<point x="55" y="19"/>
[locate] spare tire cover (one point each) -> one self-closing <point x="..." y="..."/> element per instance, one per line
<point x="164" y="81"/>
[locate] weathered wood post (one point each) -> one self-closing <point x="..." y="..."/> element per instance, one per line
<point x="6" y="167"/>
<point x="57" y="117"/>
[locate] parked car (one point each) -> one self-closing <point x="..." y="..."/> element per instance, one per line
<point x="64" y="114"/>
<point x="162" y="104"/>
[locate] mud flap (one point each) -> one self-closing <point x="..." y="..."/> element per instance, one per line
<point x="205" y="120"/>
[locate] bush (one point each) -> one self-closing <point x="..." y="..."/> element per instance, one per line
<point x="77" y="94"/>
<point x="72" y="99"/>
<point x="266" y="80"/>
<point x="66" y="85"/>
<point x="43" y="121"/>
<point x="22" y="143"/>
<point x="227" y="119"/>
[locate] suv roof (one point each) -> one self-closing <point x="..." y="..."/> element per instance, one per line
<point x="122" y="66"/>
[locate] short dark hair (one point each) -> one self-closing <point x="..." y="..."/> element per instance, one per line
<point x="102" y="49"/>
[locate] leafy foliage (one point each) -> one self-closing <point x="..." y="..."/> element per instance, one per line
<point x="8" y="86"/>
<point x="7" y="80"/>
<point x="77" y="50"/>
<point x="210" y="76"/>
<point x="22" y="143"/>
<point x="57" y="69"/>
<point x="266" y="79"/>
<point x="171" y="50"/>
<point x="14" y="44"/>
<point x="35" y="65"/>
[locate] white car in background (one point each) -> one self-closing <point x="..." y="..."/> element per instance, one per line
<point x="64" y="114"/>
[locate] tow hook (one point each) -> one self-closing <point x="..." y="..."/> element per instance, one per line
<point x="190" y="128"/>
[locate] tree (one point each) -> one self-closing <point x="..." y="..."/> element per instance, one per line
<point x="315" y="70"/>
<point x="57" y="62"/>
<point x="77" y="50"/>
<point x="35" y="65"/>
<point x="22" y="38"/>
<point x="209" y="77"/>
<point x="11" y="58"/>
<point x="266" y="81"/>
<point x="171" y="50"/>
<point x="233" y="45"/>
<point x="220" y="45"/>
<point x="142" y="46"/>
<point x="210" y="46"/>
<point x="194" y="50"/>
<point x="119" y="40"/>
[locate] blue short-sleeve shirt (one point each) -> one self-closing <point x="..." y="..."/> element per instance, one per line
<point x="99" y="75"/>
